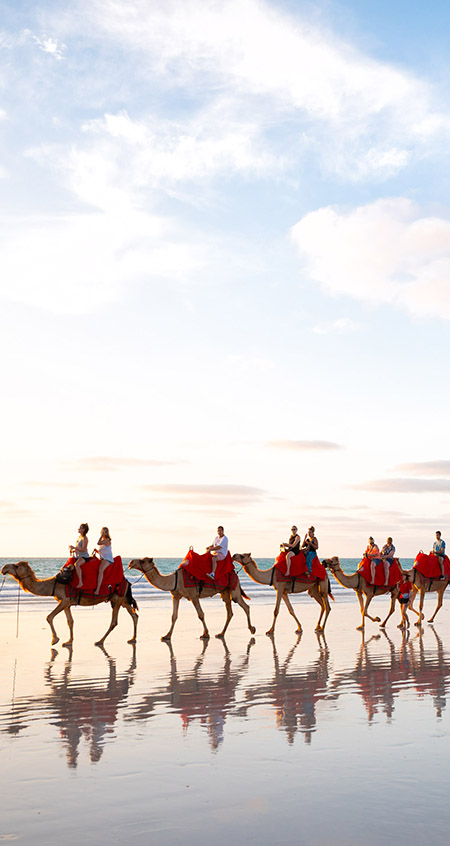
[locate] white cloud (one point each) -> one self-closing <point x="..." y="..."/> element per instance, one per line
<point x="343" y="325"/>
<point x="47" y="44"/>
<point x="276" y="67"/>
<point x="75" y="263"/>
<point x="383" y="252"/>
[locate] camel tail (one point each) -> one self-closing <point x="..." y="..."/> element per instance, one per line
<point x="329" y="590"/>
<point x="130" y="598"/>
<point x="243" y="593"/>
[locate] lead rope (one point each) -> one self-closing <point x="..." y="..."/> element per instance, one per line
<point x="18" y="604"/>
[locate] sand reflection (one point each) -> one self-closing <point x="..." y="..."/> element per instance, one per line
<point x="197" y="695"/>
<point x="79" y="708"/>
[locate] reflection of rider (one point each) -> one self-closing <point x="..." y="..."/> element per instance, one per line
<point x="293" y="545"/>
<point x="373" y="554"/>
<point x="439" y="551"/>
<point x="310" y="546"/>
<point x="387" y="557"/>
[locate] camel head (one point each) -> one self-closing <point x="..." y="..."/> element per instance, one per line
<point x="18" y="571"/>
<point x="245" y="558"/>
<point x="142" y="564"/>
<point x="332" y="563"/>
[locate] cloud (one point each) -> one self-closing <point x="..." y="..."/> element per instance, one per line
<point x="426" y="468"/>
<point x="344" y="325"/>
<point x="406" y="485"/>
<point x="203" y="493"/>
<point x="72" y="264"/>
<point x="386" y="252"/>
<point x="47" y="44"/>
<point x="363" y="117"/>
<point x="109" y="464"/>
<point x="306" y="446"/>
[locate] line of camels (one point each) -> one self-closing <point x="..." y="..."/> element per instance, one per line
<point x="320" y="590"/>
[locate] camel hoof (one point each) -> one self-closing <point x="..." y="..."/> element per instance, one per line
<point x="166" y="637"/>
<point x="317" y="629"/>
<point x="68" y="644"/>
<point x="360" y="628"/>
<point x="269" y="633"/>
<point x="422" y="616"/>
<point x="132" y="640"/>
<point x="382" y="625"/>
<point x="377" y="620"/>
<point x="220" y="635"/>
<point x="55" y="640"/>
<point x="252" y="630"/>
<point x="98" y="643"/>
<point x="204" y="637"/>
<point x="417" y="624"/>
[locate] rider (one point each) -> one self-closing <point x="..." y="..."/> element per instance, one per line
<point x="387" y="557"/>
<point x="80" y="551"/>
<point x="439" y="552"/>
<point x="310" y="546"/>
<point x="218" y="550"/>
<point x="293" y="545"/>
<point x="373" y="554"/>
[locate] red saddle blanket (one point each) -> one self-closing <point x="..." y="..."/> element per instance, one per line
<point x="299" y="569"/>
<point x="227" y="580"/>
<point x="394" y="572"/>
<point x="113" y="580"/>
<point x="200" y="565"/>
<point x="428" y="566"/>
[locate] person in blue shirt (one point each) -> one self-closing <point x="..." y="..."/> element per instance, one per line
<point x="439" y="552"/>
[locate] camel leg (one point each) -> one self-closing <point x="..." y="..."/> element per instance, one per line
<point x="421" y="601"/>
<point x="227" y="600"/>
<point x="414" y="592"/>
<point x="276" y="611"/>
<point x="112" y="625"/>
<point x="175" y="604"/>
<point x="326" y="608"/>
<point x="241" y="601"/>
<point x="439" y="604"/>
<point x="201" y="617"/>
<point x="366" y="614"/>
<point x="135" y="617"/>
<point x="391" y="611"/>
<point x="61" y="606"/>
<point x="289" y="607"/>
<point x="69" y="616"/>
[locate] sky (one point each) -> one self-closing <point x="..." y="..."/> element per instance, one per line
<point x="225" y="273"/>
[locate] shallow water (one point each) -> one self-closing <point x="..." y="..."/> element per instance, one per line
<point x="286" y="740"/>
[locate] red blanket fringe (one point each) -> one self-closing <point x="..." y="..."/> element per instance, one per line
<point x="394" y="572"/>
<point x="112" y="580"/>
<point x="428" y="566"/>
<point x="299" y="568"/>
<point x="200" y="565"/>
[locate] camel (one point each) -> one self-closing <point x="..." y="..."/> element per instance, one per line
<point x="319" y="591"/>
<point x="175" y="585"/>
<point x="422" y="585"/>
<point x="28" y="581"/>
<point x="361" y="586"/>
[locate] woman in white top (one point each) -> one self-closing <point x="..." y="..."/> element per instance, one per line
<point x="104" y="552"/>
<point x="80" y="551"/>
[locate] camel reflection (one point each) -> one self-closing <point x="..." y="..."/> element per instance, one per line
<point x="295" y="694"/>
<point x="197" y="696"/>
<point x="380" y="679"/>
<point x="79" y="708"/>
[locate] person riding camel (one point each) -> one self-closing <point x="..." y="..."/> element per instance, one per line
<point x="387" y="557"/>
<point x="310" y="546"/>
<point x="292" y="548"/>
<point x="439" y="552"/>
<point x="218" y="550"/>
<point x="373" y="554"/>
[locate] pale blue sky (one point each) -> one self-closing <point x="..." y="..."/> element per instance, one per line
<point x="225" y="273"/>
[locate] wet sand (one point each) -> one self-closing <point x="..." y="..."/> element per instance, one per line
<point x="309" y="740"/>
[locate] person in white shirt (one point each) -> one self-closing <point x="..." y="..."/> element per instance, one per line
<point x="104" y="552"/>
<point x="218" y="550"/>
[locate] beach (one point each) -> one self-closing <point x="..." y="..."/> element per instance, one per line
<point x="341" y="738"/>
